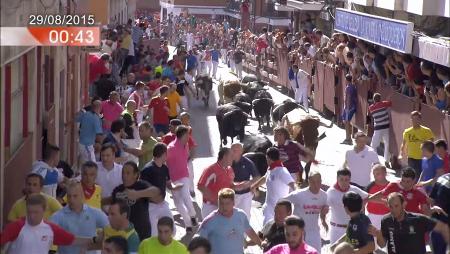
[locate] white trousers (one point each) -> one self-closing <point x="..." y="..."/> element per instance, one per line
<point x="268" y="213"/>
<point x="312" y="238"/>
<point x="86" y="153"/>
<point x="379" y="135"/>
<point x="301" y="96"/>
<point x="207" y="209"/>
<point x="208" y="67"/>
<point x="244" y="202"/>
<point x="214" y="68"/>
<point x="223" y="52"/>
<point x="183" y="202"/>
<point x="336" y="233"/>
<point x="191" y="176"/>
<point x="232" y="65"/>
<point x="184" y="102"/>
<point x="238" y="69"/>
<point x="156" y="212"/>
<point x="189" y="45"/>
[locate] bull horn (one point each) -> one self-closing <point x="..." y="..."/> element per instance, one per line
<point x="247" y="115"/>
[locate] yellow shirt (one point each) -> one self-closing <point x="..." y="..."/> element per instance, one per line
<point x="174" y="99"/>
<point x="414" y="139"/>
<point x="152" y="245"/>
<point x="126" y="41"/>
<point x="95" y="200"/>
<point x="19" y="209"/>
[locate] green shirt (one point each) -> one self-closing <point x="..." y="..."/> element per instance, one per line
<point x="152" y="245"/>
<point x="129" y="234"/>
<point x="147" y="147"/>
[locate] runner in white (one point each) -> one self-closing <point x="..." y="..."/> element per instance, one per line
<point x="189" y="40"/>
<point x="310" y="203"/>
<point x="278" y="181"/>
<point x="360" y="159"/>
<point x="339" y="218"/>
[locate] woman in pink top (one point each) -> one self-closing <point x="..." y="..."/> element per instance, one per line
<point x="111" y="110"/>
<point x="294" y="232"/>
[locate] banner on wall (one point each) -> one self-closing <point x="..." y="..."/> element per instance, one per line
<point x="389" y="33"/>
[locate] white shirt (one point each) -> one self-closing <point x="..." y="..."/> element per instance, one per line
<point x="52" y="176"/>
<point x="334" y="201"/>
<point x="277" y="183"/>
<point x="360" y="164"/>
<point x="302" y="78"/>
<point x="308" y="205"/>
<point x="26" y="239"/>
<point x="108" y="179"/>
<point x="189" y="38"/>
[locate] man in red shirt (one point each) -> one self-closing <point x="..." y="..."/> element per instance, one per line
<point x="377" y="209"/>
<point x="442" y="152"/>
<point x="416" y="199"/>
<point x="159" y="107"/>
<point x="97" y="67"/>
<point x="216" y="177"/>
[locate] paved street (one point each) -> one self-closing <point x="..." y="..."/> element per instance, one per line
<point x="330" y="152"/>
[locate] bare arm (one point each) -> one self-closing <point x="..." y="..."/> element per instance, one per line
<point x="258" y="183"/>
<point x="368" y="248"/>
<point x="377" y="233"/>
<point x="206" y="193"/>
<point x="323" y="215"/>
<point x="254" y="238"/>
<point x="375" y="196"/>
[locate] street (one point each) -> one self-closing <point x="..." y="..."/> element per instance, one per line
<point x="330" y="152"/>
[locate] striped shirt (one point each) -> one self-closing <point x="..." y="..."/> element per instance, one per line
<point x="380" y="114"/>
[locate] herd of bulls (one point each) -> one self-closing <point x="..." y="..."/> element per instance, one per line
<point x="237" y="102"/>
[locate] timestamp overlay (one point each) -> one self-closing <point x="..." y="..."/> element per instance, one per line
<point x="50" y="36"/>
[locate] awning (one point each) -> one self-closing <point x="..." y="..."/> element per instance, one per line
<point x="305" y="5"/>
<point x="432" y="49"/>
<point x="282" y="7"/>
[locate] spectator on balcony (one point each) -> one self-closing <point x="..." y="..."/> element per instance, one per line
<point x="443" y="75"/>
<point x="413" y="137"/>
<point x="431" y="79"/>
<point x="412" y="71"/>
<point x="447" y="92"/>
<point x="322" y="39"/>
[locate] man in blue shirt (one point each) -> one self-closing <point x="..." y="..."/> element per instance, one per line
<point x="244" y="170"/>
<point x="432" y="165"/>
<point x="350" y="103"/>
<point x="90" y="127"/>
<point x="215" y="55"/>
<point x="78" y="218"/>
<point x="191" y="61"/>
<point x="226" y="227"/>
<point x="168" y="71"/>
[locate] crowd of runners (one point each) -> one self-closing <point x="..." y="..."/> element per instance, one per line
<point x="136" y="144"/>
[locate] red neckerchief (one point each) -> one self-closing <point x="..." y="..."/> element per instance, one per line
<point x="275" y="164"/>
<point x="337" y="187"/>
<point x="88" y="192"/>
